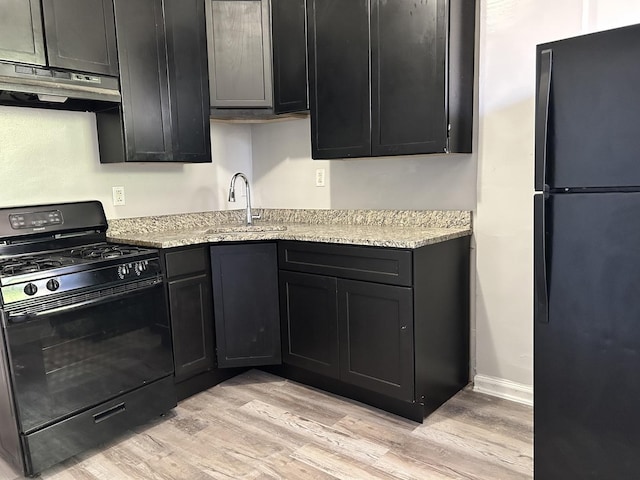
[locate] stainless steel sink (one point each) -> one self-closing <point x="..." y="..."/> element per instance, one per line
<point x="244" y="229"/>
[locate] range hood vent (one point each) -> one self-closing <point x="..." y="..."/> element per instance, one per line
<point x="37" y="86"/>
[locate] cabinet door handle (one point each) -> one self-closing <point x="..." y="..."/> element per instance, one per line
<point x="542" y="117"/>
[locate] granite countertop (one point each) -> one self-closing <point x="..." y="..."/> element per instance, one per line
<point x="382" y="228"/>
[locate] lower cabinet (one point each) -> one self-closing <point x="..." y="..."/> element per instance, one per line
<point x="358" y="332"/>
<point x="388" y="327"/>
<point x="309" y="313"/>
<point x="190" y="310"/>
<point x="189" y="292"/>
<point x="376" y="337"/>
<point x="245" y="304"/>
<point x="384" y="326"/>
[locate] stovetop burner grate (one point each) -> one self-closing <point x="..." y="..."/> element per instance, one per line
<point x="103" y="251"/>
<point x="15" y="266"/>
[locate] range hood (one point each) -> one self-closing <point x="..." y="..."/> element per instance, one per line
<point x="28" y="84"/>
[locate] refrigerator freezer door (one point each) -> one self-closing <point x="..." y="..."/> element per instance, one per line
<point x="593" y="130"/>
<point x="587" y="357"/>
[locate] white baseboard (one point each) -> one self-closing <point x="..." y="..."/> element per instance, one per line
<point x="498" y="387"/>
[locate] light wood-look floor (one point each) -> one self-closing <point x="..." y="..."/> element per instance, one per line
<point x="258" y="426"/>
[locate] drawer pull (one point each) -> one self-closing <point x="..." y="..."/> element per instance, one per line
<point x="102" y="416"/>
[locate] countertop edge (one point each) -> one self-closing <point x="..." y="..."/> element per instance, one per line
<point x="186" y="238"/>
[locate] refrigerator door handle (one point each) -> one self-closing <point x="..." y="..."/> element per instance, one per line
<point x="540" y="288"/>
<point x="542" y="118"/>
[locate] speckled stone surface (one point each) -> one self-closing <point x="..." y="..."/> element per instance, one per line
<point x="383" y="228"/>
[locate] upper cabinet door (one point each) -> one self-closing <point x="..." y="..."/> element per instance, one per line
<point x="239" y="44"/>
<point x="338" y="45"/>
<point x="289" y="35"/>
<point x="81" y="35"/>
<point x="408" y="80"/>
<point x="390" y="77"/>
<point x="144" y="81"/>
<point x="188" y="80"/>
<point x="21" y="38"/>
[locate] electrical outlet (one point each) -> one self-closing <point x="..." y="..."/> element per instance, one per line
<point x="118" y="196"/>
<point x="319" y="177"/>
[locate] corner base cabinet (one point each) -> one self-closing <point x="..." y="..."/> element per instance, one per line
<point x="388" y="327"/>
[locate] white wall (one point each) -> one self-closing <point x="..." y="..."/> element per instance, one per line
<point x="284" y="176"/>
<point x="52" y="156"/>
<point x="503" y="224"/>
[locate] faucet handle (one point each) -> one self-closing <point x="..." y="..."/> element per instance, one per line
<point x="256" y="217"/>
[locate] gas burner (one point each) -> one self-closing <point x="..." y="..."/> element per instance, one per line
<point x="15" y="266"/>
<point x="103" y="251"/>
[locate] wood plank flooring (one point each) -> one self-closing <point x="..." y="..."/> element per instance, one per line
<point x="259" y="426"/>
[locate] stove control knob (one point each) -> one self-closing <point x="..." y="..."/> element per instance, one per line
<point x="140" y="267"/>
<point x="123" y="271"/>
<point x="30" y="289"/>
<point x="53" y="284"/>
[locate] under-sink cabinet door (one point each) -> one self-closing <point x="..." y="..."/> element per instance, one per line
<point x="245" y="304"/>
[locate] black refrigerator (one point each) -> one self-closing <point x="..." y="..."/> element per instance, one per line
<point x="587" y="258"/>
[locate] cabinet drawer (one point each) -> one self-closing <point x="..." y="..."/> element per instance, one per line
<point x="183" y="262"/>
<point x="374" y="264"/>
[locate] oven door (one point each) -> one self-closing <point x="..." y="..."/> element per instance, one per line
<point x="65" y="360"/>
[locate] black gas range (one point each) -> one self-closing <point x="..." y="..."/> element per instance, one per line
<point x="47" y="250"/>
<point x="45" y="274"/>
<point x="85" y="350"/>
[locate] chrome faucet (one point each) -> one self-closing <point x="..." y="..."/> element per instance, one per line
<point x="232" y="195"/>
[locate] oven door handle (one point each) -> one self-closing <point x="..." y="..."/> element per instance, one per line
<point x="20" y="317"/>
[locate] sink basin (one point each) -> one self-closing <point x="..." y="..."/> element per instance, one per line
<point x="244" y="229"/>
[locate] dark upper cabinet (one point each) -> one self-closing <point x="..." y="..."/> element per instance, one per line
<point x="408" y="81"/>
<point x="164" y="112"/>
<point x="289" y="42"/>
<point x="309" y="325"/>
<point x="239" y="53"/>
<point x="257" y="57"/>
<point x="406" y="77"/>
<point x="143" y="120"/>
<point x="80" y="35"/>
<point x="21" y="34"/>
<point x="186" y="38"/>
<point x="376" y="333"/>
<point x="245" y="303"/>
<point x="339" y="97"/>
